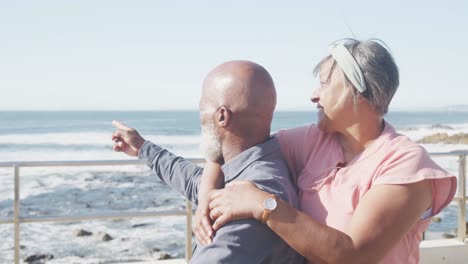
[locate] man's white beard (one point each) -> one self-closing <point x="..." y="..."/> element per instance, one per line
<point x="210" y="145"/>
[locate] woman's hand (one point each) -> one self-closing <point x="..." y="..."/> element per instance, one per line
<point x="238" y="200"/>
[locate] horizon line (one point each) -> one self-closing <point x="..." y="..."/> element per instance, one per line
<point x="464" y="108"/>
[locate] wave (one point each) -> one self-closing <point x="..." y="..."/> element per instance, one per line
<point x="83" y="154"/>
<point x="98" y="145"/>
<point x="57" y="139"/>
<point x="89" y="138"/>
<point x="83" y="146"/>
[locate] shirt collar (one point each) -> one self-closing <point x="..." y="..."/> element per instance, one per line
<point x="234" y="167"/>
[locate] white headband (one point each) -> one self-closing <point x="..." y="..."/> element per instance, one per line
<point x="349" y="66"/>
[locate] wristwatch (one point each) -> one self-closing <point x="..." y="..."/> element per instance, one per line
<point x="269" y="204"/>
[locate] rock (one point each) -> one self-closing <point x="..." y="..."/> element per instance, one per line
<point x="154" y="250"/>
<point x="162" y="255"/>
<point x="81" y="233"/>
<point x="447" y="235"/>
<point x="22" y="247"/>
<point x="436" y="219"/>
<point x="90" y="178"/>
<point x="38" y="257"/>
<point x="140" y="225"/>
<point x="104" y="236"/>
<point x="460" y="138"/>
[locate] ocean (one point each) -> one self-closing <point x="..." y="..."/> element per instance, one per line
<point x="86" y="135"/>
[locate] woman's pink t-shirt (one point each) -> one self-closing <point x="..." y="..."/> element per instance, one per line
<point x="329" y="191"/>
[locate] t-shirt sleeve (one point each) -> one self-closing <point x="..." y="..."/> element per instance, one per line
<point x="413" y="164"/>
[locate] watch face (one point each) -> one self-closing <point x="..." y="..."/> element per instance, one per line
<point x="269" y="203"/>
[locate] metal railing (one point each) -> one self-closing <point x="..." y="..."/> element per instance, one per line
<point x="18" y="219"/>
<point x="461" y="199"/>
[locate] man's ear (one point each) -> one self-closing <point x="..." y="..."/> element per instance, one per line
<point x="223" y="116"/>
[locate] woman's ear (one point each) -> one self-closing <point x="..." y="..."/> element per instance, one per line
<point x="223" y="116"/>
<point x="361" y="98"/>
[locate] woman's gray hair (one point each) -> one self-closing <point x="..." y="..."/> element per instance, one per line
<point x="379" y="70"/>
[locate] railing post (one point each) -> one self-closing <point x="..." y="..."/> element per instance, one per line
<point x="462" y="193"/>
<point x="16" y="218"/>
<point x="188" y="238"/>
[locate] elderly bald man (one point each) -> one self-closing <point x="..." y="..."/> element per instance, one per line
<point x="236" y="110"/>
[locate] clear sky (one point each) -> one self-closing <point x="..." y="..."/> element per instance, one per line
<point x="149" y="55"/>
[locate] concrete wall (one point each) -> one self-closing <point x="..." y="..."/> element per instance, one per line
<point x="446" y="251"/>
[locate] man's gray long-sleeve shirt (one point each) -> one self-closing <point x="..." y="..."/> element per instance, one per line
<point x="242" y="241"/>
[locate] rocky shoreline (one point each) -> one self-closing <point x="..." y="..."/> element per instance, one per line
<point x="156" y="253"/>
<point x="41" y="258"/>
<point x="444" y="138"/>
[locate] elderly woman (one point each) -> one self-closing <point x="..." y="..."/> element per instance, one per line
<point x="366" y="192"/>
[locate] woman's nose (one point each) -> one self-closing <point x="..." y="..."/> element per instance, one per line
<point x="315" y="97"/>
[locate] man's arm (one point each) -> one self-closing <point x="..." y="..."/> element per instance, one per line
<point x="180" y="174"/>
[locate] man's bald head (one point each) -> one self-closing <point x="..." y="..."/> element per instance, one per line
<point x="236" y="108"/>
<point x="241" y="86"/>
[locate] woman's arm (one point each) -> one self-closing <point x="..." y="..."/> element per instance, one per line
<point x="384" y="215"/>
<point x="212" y="179"/>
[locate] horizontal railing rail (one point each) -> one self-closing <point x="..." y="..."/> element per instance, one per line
<point x="17" y="219"/>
